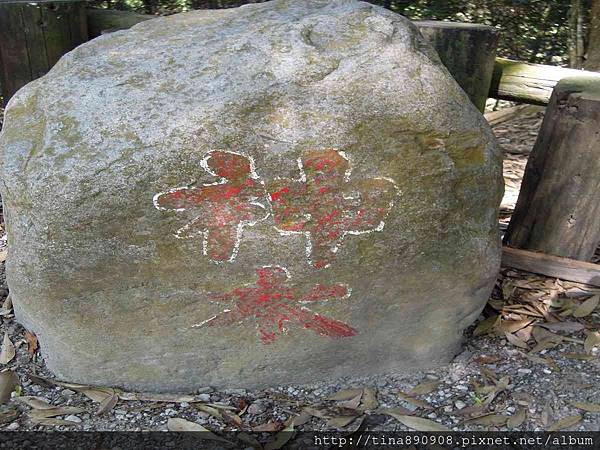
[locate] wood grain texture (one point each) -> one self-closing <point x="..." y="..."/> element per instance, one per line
<point x="551" y="266"/>
<point x="529" y="83"/>
<point x="558" y="210"/>
<point x="468" y="52"/>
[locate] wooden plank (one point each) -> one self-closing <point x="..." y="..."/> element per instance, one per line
<point x="34" y="36"/>
<point x="14" y="59"/>
<point x="558" y="210"/>
<point x="57" y="30"/>
<point x="551" y="266"/>
<point x="529" y="83"/>
<point x="468" y="52"/>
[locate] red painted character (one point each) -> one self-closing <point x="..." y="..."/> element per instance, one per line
<point x="273" y="303"/>
<point x="222" y="208"/>
<point x="325" y="205"/>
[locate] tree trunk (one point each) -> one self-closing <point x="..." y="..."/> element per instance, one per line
<point x="558" y="210"/>
<point x="593" y="50"/>
<point x="576" y="44"/>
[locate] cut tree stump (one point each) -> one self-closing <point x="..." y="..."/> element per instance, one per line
<point x="558" y="210"/>
<point x="468" y="51"/>
<point x="33" y="36"/>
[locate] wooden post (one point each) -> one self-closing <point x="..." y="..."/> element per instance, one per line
<point x="33" y="36"/>
<point x="558" y="210"/>
<point x="468" y="51"/>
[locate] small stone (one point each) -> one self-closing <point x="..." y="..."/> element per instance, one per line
<point x="73" y="418"/>
<point x="184" y="405"/>
<point x="462" y="387"/>
<point x="547" y="371"/>
<point x="525" y="371"/>
<point x="204" y="397"/>
<point x="67" y="392"/>
<point x="459" y="404"/>
<point x="13" y="426"/>
<point x="257" y="408"/>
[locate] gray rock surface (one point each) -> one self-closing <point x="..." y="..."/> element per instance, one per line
<point x="280" y="193"/>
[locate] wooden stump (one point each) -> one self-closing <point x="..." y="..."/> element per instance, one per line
<point x="33" y="36"/>
<point x="468" y="51"/>
<point x="558" y="210"/>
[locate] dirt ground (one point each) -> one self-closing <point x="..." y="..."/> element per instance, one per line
<point x="530" y="363"/>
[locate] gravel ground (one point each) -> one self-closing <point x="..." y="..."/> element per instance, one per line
<point x="512" y="374"/>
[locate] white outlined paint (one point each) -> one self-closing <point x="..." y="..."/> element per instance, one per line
<point x="184" y="232"/>
<point x="337" y="245"/>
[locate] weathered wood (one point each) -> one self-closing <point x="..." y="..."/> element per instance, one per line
<point x="552" y="266"/>
<point x="33" y="36"/>
<point x="558" y="210"/>
<point x="101" y="20"/>
<point x="529" y="83"/>
<point x="468" y="52"/>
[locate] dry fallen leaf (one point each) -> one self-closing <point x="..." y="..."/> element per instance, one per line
<point x="53" y="422"/>
<point x="511" y="326"/>
<point x="282" y="437"/>
<point x="579" y="356"/>
<point x="316" y="412"/>
<point x="485" y="326"/>
<point x="592" y="340"/>
<point x="179" y="424"/>
<point x="418" y="423"/>
<point x="8" y="350"/>
<point x="8" y="415"/>
<point x="413" y="401"/>
<point x="9" y="380"/>
<point x="517" y="342"/>
<point x="352" y="403"/>
<point x="345" y="394"/>
<point x="32" y="342"/>
<point x="589" y="407"/>
<point x="108" y="404"/>
<point x="488" y="420"/>
<point x="425" y="388"/>
<point x="487" y="359"/>
<point x="3" y="255"/>
<point x="153" y="397"/>
<point x="369" y="399"/>
<point x="6" y="307"/>
<point x="562" y="326"/>
<point x="270" y="427"/>
<point x="341" y="421"/>
<point x="35" y="402"/>
<point x="517" y="419"/>
<point x="45" y="413"/>
<point x="565" y="422"/>
<point x="587" y="307"/>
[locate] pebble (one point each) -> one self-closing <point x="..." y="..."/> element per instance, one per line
<point x="67" y="392"/>
<point x="203" y="398"/>
<point x="184" y="405"/>
<point x="13" y="426"/>
<point x="462" y="387"/>
<point x="73" y="418"/>
<point x="257" y="408"/>
<point x="547" y="371"/>
<point x="524" y="370"/>
<point x="459" y="404"/>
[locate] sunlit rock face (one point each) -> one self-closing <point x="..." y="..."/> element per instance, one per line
<point x="284" y="192"/>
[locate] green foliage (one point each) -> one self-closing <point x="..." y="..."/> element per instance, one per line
<point x="532" y="30"/>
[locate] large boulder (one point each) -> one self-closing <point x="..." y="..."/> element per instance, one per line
<point x="279" y="193"/>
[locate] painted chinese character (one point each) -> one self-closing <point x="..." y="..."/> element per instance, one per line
<point x="325" y="204"/>
<point x="273" y="303"/>
<point x="222" y="208"/>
